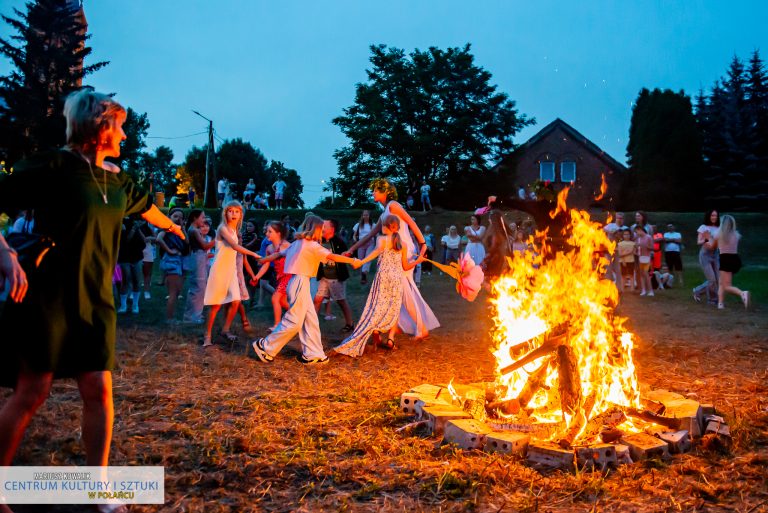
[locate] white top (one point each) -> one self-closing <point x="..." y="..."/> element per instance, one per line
<point x="365" y="229"/>
<point x="250" y="186"/>
<point x="279" y="186"/>
<point x="672" y="246"/>
<point x="521" y="193"/>
<point x="424" y="189"/>
<point x="303" y="257"/>
<point x="451" y="242"/>
<point x="477" y="233"/>
<point x="222" y="186"/>
<point x="613" y="227"/>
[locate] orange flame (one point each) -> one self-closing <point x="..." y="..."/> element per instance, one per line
<point x="603" y="187"/>
<point x="548" y="290"/>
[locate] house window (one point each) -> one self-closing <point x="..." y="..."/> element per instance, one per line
<point x="547" y="171"/>
<point x="568" y="171"/>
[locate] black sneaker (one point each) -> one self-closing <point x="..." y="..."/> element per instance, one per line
<point x="348" y="328"/>
<point x="261" y="353"/>
<point x="312" y="361"/>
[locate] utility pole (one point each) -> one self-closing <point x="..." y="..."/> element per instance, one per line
<point x="209" y="196"/>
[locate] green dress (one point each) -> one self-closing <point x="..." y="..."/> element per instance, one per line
<point x="66" y="323"/>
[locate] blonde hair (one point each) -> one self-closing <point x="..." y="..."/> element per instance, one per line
<point x="394" y="221"/>
<point x="311" y="225"/>
<point x="230" y="204"/>
<point x="728" y="229"/>
<point x="88" y="114"/>
<point x="385" y="186"/>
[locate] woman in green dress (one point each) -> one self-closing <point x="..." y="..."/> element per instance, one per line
<point x="65" y="326"/>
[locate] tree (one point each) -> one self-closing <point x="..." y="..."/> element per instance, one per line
<point x="192" y="171"/>
<point x="294" y="187"/>
<point x="47" y="53"/>
<point x="239" y="161"/>
<point x="135" y="127"/>
<point x="664" y="150"/>
<point x="157" y="172"/>
<point x="733" y="120"/>
<point x="432" y="115"/>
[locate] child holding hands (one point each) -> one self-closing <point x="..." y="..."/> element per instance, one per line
<point x="302" y="259"/>
<point x="386" y="295"/>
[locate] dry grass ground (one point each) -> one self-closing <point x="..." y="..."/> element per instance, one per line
<point x="237" y="435"/>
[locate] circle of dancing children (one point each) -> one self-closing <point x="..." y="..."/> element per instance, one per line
<point x="382" y="307"/>
<point x="302" y="259"/>
<point x="223" y="286"/>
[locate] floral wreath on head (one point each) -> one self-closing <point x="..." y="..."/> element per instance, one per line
<point x="384" y="185"/>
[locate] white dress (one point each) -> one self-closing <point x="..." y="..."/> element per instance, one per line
<point x="223" y="286"/>
<point x="414" y="310"/>
<point x="475" y="249"/>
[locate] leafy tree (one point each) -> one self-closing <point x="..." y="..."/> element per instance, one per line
<point x="135" y="127"/>
<point x="239" y="161"/>
<point x="431" y="115"/>
<point x="664" y="153"/>
<point x="157" y="172"/>
<point x="192" y="171"/>
<point x="47" y="53"/>
<point x="294" y="187"/>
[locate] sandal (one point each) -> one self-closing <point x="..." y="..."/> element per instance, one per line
<point x="388" y="344"/>
<point x="229" y="337"/>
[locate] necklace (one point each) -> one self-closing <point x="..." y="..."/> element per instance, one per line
<point x="103" y="192"/>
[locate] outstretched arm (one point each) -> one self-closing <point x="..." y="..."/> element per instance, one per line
<point x="341" y="258"/>
<point x="375" y="253"/>
<point x="400" y="212"/>
<point x="157" y="218"/>
<point x="374" y="231"/>
<point x="232" y="241"/>
<point x="407" y="266"/>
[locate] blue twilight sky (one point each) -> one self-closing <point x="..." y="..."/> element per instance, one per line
<point x="276" y="73"/>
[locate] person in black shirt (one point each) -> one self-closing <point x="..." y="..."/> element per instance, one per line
<point x="331" y="276"/>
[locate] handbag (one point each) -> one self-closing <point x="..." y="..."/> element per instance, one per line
<point x="31" y="249"/>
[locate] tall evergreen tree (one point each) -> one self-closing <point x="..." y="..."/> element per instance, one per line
<point x="136" y="127"/>
<point x="47" y="53"/>
<point x="664" y="153"/>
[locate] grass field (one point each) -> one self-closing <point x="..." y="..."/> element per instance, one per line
<point x="237" y="435"/>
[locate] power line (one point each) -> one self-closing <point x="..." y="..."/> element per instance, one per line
<point x="179" y="137"/>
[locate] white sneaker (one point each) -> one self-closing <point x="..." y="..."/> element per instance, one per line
<point x="745" y="297"/>
<point x="122" y="309"/>
<point x="642" y="293"/>
<point x="330" y="317"/>
<point x="650" y="294"/>
<point x="135" y="308"/>
<point x="147" y="295"/>
<point x="720" y="306"/>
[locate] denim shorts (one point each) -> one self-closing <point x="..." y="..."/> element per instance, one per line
<point x="172" y="264"/>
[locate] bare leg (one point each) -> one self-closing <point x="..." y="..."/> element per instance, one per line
<point x="98" y="415"/>
<point x="211" y="318"/>
<point x="230" y="316"/>
<point x="175" y="284"/>
<point x="31" y="391"/>
<point x="346" y="310"/>
<point x="277" y="309"/>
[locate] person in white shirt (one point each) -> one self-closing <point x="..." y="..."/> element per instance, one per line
<point x="672" y="246"/>
<point x="360" y="230"/>
<point x="425" y="203"/>
<point x="614" y="230"/>
<point x="521" y="193"/>
<point x="452" y="245"/>
<point x="221" y="190"/>
<point x="279" y="187"/>
<point x="708" y="258"/>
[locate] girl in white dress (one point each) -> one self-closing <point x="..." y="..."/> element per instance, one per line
<point x="475" y="232"/>
<point x="223" y="286"/>
<point x="416" y="318"/>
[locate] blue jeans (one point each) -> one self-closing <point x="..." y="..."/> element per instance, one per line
<point x="710" y="264"/>
<point x="198" y="276"/>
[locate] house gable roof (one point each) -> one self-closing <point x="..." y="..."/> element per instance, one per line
<point x="574" y="135"/>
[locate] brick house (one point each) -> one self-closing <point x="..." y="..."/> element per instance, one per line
<point x="562" y="156"/>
